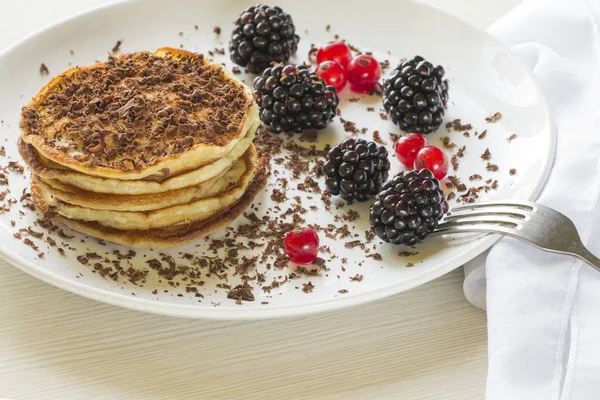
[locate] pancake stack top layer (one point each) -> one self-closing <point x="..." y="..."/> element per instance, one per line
<point x="145" y="150"/>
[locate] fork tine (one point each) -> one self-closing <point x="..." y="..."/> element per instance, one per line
<point x="522" y="205"/>
<point x="474" y="228"/>
<point x="487" y="214"/>
<point x="504" y="222"/>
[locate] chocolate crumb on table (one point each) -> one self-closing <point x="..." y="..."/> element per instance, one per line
<point x="375" y="256"/>
<point x="487" y="155"/>
<point x="494" y="117"/>
<point x="117" y="47"/>
<point x="241" y="292"/>
<point x="447" y="142"/>
<point x="349" y="126"/>
<point x="512" y="137"/>
<point x="217" y="30"/>
<point x="343" y="291"/>
<point x="482" y="134"/>
<point x="357" y="278"/>
<point x="15" y="166"/>
<point x="44" y="70"/>
<point x="458" y="126"/>
<point x="307" y="287"/>
<point x="456" y="183"/>
<point x="409" y="265"/>
<point x="475" y="177"/>
<point x="491" y="167"/>
<point x="512" y="171"/>
<point x="406" y="253"/>
<point x="377" y="138"/>
<point x="328" y="28"/>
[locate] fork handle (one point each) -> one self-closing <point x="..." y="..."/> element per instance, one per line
<point x="588" y="257"/>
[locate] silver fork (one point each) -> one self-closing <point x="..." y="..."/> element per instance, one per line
<point x="530" y="222"/>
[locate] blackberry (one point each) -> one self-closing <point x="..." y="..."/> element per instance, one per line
<point x="356" y="169"/>
<point x="408" y="208"/>
<point x="415" y="95"/>
<point x="263" y="34"/>
<point x="292" y="99"/>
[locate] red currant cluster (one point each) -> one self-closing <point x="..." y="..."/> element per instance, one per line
<point x="337" y="67"/>
<point x="413" y="151"/>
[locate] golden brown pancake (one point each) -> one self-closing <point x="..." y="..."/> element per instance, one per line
<point x="164" y="237"/>
<point x="139" y="115"/>
<point x="159" y="218"/>
<point x="147" y="202"/>
<point x="48" y="170"/>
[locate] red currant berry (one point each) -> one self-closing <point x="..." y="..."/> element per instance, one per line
<point x="302" y="245"/>
<point x="333" y="74"/>
<point x="407" y="147"/>
<point x="433" y="159"/>
<point x="363" y="73"/>
<point x="338" y="52"/>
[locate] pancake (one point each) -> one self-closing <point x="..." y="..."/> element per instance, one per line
<point x="48" y="171"/>
<point x="140" y="115"/>
<point x="164" y="237"/>
<point x="101" y="201"/>
<point x="163" y="217"/>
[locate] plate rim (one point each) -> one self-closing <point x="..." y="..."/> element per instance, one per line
<point x="484" y="241"/>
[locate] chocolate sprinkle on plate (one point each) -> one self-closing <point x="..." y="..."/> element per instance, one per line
<point x="494" y="117"/>
<point x="117" y="47"/>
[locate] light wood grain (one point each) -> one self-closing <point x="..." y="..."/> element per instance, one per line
<point x="417" y="345"/>
<point x="426" y="344"/>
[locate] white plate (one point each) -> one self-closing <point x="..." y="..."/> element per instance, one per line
<point x="485" y="78"/>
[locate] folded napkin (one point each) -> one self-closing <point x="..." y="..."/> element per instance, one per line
<point x="544" y="309"/>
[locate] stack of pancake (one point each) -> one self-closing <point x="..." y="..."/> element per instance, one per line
<point x="145" y="150"/>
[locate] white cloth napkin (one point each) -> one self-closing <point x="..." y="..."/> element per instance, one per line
<point x="544" y="309"/>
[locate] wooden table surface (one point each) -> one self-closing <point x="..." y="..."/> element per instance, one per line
<point x="428" y="343"/>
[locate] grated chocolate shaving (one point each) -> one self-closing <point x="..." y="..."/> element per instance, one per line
<point x="486" y="155"/>
<point x="377" y="138"/>
<point x="493" y="117"/>
<point x="308" y="287"/>
<point x="241" y="292"/>
<point x="44" y="69"/>
<point x="120" y="109"/>
<point x="491" y="167"/>
<point x="117" y="47"/>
